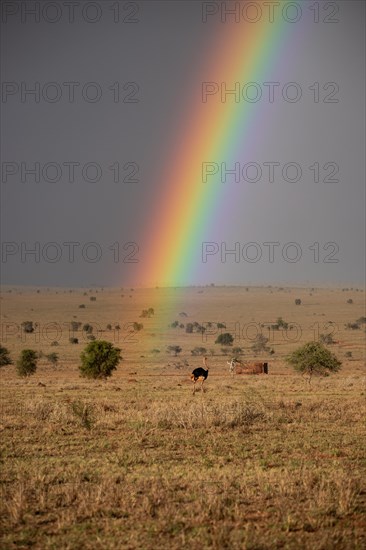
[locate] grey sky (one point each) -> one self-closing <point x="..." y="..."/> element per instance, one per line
<point x="163" y="52"/>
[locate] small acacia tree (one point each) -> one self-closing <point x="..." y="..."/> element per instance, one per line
<point x="260" y="344"/>
<point x="4" y="357"/>
<point x="28" y="326"/>
<point x="27" y="363"/>
<point x="52" y="358"/>
<point x="174" y="350"/>
<point x="314" y="358"/>
<point x="99" y="359"/>
<point x="199" y="350"/>
<point x="225" y="339"/>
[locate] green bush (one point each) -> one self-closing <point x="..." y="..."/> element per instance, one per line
<point x="199" y="351"/>
<point x="174" y="350"/>
<point x="99" y="359"/>
<point x="52" y="358"/>
<point x="353" y="326"/>
<point x="225" y="339"/>
<point x="326" y="339"/>
<point x="28" y="326"/>
<point x="260" y="344"/>
<point x="281" y="323"/>
<point x="314" y="358"/>
<point x="27" y="363"/>
<point x="147" y="312"/>
<point x="4" y="357"/>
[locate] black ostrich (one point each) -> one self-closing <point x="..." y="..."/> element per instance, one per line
<point x="199" y="374"/>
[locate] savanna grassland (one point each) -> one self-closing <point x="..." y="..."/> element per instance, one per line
<point x="138" y="462"/>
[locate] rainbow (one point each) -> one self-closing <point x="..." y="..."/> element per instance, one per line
<point x="212" y="132"/>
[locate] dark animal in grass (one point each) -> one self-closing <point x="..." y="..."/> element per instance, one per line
<point x="199" y="375"/>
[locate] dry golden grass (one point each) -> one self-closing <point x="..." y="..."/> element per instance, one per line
<point x="255" y="462"/>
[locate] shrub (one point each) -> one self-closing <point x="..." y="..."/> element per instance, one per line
<point x="281" y="323"/>
<point x="189" y="328"/>
<point x="73" y="340"/>
<point x="175" y="324"/>
<point x="199" y="351"/>
<point x="147" y="312"/>
<point x="298" y="301"/>
<point x="28" y="326"/>
<point x="54" y="343"/>
<point x="52" y="358"/>
<point x="348" y="354"/>
<point x="225" y="339"/>
<point x="221" y="325"/>
<point x="27" y="363"/>
<point x="237" y="351"/>
<point x="155" y="351"/>
<point x="82" y="306"/>
<point x="314" y="358"/>
<point x="137" y="326"/>
<point x="361" y="321"/>
<point x="4" y="357"/>
<point x="99" y="359"/>
<point x="174" y="350"/>
<point x="350" y="301"/>
<point x="326" y="339"/>
<point x="93" y="298"/>
<point x="353" y="326"/>
<point x="260" y="344"/>
<point x="200" y="328"/>
<point x="109" y="326"/>
<point x="88" y="328"/>
<point x="75" y="325"/>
